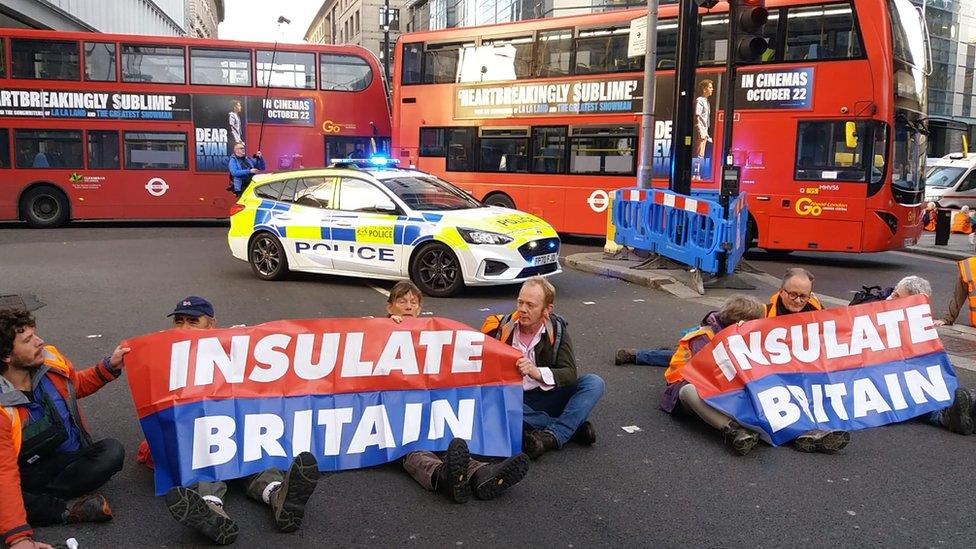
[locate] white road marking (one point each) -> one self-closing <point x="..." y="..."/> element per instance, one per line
<point x="589" y="303"/>
<point x="386" y="293"/>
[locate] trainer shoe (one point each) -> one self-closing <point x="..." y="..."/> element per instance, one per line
<point x="739" y="439"/>
<point x="537" y="442"/>
<point x="88" y="508"/>
<point x="289" y="499"/>
<point x="451" y="477"/>
<point x="822" y="441"/>
<point x="585" y="434"/>
<point x="206" y="517"/>
<point x="491" y="479"/>
<point x="625" y="356"/>
<point x="958" y="418"/>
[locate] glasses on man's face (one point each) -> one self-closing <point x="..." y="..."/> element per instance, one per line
<point x="796" y="296"/>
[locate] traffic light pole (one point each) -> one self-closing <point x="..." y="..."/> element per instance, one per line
<point x="684" y="98"/>
<point x="729" y="185"/>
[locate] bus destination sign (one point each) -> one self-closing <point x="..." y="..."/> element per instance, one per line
<point x="780" y="89"/>
<point x="503" y="100"/>
<point x="102" y="105"/>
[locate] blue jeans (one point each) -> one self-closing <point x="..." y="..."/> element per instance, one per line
<point x="562" y="410"/>
<point x="654" y="357"/>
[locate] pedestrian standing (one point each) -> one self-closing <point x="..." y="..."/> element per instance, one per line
<point x="242" y="168"/>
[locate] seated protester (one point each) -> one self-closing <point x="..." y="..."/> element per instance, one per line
<point x="556" y="399"/>
<point x="200" y="506"/>
<point x="682" y="396"/>
<point x="964" y="293"/>
<point x="455" y="474"/>
<point x="961" y="416"/>
<point x="795" y="294"/>
<point x="928" y="217"/>
<point x="961" y="223"/>
<point x="50" y="466"/>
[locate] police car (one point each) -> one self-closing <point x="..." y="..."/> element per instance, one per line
<point x="370" y="219"/>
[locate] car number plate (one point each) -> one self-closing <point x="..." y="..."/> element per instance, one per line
<point x="544" y="259"/>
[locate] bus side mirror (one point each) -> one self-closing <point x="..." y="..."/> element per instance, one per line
<point x="850" y="135"/>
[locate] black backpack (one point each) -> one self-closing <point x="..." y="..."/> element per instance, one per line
<point x="867" y="294"/>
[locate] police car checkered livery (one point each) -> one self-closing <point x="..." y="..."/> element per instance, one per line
<point x="386" y="223"/>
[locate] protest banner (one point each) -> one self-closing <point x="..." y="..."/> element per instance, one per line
<point x="222" y="404"/>
<point x="845" y="368"/>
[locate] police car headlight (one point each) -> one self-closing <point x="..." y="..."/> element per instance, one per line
<point x="474" y="236"/>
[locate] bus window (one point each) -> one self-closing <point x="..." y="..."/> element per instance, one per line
<point x="344" y="72"/>
<point x="44" y="59"/>
<point x="441" y="63"/>
<point x="608" y="150"/>
<point x="100" y="61"/>
<point x="3" y="58"/>
<point x="411" y="65"/>
<point x="157" y="64"/>
<point x="552" y="53"/>
<point x="220" y="67"/>
<point x="667" y="43"/>
<point x="337" y="148"/>
<point x="290" y="70"/>
<point x="48" y="148"/>
<point x="549" y="149"/>
<point x="821" y="32"/>
<point x="432" y="142"/>
<point x="714" y="42"/>
<point x="605" y="50"/>
<point x="460" y="149"/>
<point x="497" y="59"/>
<point x="822" y="152"/>
<point x="504" y="150"/>
<point x="103" y="150"/>
<point x="155" y="150"/>
<point x="4" y="148"/>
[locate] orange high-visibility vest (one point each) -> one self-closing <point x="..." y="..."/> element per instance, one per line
<point x="682" y="356"/>
<point x="966" y="269"/>
<point x="930" y="226"/>
<point x="961" y="224"/>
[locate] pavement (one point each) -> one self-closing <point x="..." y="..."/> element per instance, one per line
<point x="669" y="484"/>
<point x="957" y="248"/>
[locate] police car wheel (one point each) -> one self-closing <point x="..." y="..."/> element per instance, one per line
<point x="437" y="271"/>
<point x="267" y="257"/>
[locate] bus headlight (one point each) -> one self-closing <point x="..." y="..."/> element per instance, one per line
<point x="475" y="236"/>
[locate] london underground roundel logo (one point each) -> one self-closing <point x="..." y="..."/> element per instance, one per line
<point x="157" y="186"/>
<point x="599" y="200"/>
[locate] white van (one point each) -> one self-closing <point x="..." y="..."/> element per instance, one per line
<point x="950" y="181"/>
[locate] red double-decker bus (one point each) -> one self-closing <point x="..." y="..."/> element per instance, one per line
<point x="101" y="126"/>
<point x="544" y="115"/>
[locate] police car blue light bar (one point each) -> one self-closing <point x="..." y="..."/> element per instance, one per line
<point x="380" y="161"/>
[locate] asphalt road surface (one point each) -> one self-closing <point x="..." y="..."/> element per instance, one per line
<point x="671" y="484"/>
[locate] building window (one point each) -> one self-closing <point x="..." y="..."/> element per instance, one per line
<point x="48" y="148"/>
<point x="45" y="59"/>
<point x="152" y="150"/>
<point x="290" y="70"/>
<point x="220" y="67"/>
<point x="103" y="150"/>
<point x="608" y="150"/>
<point x="100" y="62"/>
<point x="344" y="72"/>
<point x="158" y="64"/>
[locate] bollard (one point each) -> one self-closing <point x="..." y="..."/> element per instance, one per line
<point x="943" y="223"/>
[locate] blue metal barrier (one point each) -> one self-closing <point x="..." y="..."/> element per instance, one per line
<point x="691" y="230"/>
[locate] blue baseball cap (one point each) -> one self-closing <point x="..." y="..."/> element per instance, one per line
<point x="194" y="306"/>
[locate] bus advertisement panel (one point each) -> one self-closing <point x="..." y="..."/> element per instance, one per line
<point x="544" y="116"/>
<point x="97" y="126"/>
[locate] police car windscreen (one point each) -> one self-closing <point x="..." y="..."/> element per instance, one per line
<point x="943" y="176"/>
<point x="429" y="193"/>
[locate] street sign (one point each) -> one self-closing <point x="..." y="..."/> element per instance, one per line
<point x="637" y="42"/>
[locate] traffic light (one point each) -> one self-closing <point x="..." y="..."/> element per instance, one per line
<point x="751" y="16"/>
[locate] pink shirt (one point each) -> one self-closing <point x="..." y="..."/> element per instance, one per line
<point x="526" y="343"/>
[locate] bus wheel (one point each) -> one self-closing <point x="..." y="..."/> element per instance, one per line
<point x="44" y="207"/>
<point x="436" y="271"/>
<point x="501" y="200"/>
<point x="267" y="257"/>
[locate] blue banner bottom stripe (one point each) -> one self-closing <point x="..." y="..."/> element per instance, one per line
<point x="231" y="438"/>
<point x="781" y="407"/>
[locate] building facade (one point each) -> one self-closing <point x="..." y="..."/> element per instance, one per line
<point x="203" y="16"/>
<point x="153" y="17"/>
<point x="357" y="22"/>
